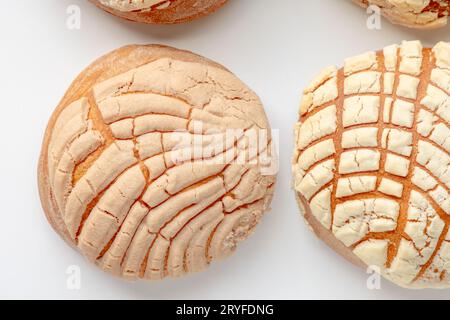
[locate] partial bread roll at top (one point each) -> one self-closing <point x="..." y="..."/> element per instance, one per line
<point x="148" y="166"/>
<point x="372" y="161"/>
<point x="422" y="14"/>
<point x="160" y="11"/>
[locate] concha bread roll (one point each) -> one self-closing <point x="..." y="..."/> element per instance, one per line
<point x="372" y="161"/>
<point x="422" y="14"/>
<point x="147" y="166"/>
<point x="160" y="11"/>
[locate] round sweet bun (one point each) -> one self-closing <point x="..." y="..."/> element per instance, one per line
<point x="160" y="11"/>
<point x="148" y="166"/>
<point x="419" y="14"/>
<point x="372" y="161"/>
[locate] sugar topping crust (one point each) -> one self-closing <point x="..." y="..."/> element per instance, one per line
<point x="122" y="175"/>
<point x="136" y="5"/>
<point x="422" y="14"/>
<point x="372" y="160"/>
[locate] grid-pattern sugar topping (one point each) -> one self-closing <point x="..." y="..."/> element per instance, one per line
<point x="373" y="159"/>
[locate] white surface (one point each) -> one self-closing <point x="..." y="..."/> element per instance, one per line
<point x="274" y="46"/>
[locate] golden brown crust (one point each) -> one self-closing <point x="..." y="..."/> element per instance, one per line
<point x="108" y="66"/>
<point x="324" y="234"/>
<point x="179" y="11"/>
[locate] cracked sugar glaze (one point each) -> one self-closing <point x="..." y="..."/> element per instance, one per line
<point x="372" y="160"/>
<point x="119" y="182"/>
<point x="413" y="13"/>
<point x="136" y="5"/>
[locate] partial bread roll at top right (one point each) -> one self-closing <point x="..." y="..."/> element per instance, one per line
<point x="372" y="161"/>
<point x="420" y="14"/>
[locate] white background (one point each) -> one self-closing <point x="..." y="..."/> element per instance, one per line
<point x="276" y="47"/>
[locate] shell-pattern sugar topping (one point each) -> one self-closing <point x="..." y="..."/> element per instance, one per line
<point x="133" y="192"/>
